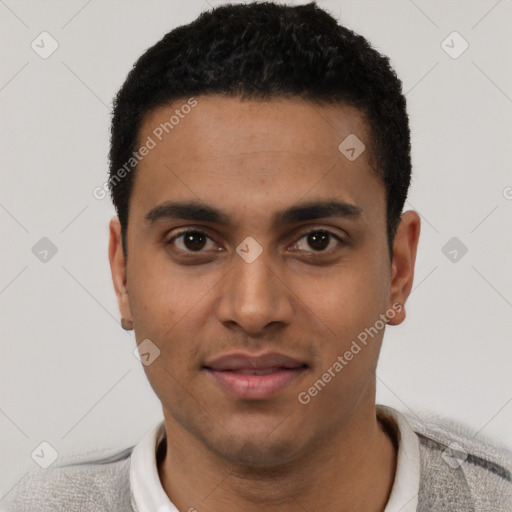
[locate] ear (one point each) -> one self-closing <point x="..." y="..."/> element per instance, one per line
<point x="118" y="268"/>
<point x="402" y="267"/>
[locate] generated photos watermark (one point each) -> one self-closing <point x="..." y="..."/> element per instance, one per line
<point x="304" y="397"/>
<point x="158" y="133"/>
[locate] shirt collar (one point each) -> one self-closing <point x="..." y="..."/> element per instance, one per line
<point x="404" y="494"/>
<point x="148" y="495"/>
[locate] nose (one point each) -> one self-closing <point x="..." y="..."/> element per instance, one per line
<point x="255" y="295"/>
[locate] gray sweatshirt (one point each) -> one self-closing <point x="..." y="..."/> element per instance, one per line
<point x="458" y="473"/>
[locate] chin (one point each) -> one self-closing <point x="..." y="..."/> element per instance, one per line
<point x="257" y="452"/>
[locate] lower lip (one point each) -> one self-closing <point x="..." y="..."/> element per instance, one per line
<point x="256" y="387"/>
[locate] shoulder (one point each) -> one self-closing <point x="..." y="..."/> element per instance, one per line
<point x="82" y="484"/>
<point x="461" y="469"/>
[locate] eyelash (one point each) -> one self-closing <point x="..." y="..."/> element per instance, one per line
<point x="302" y="235"/>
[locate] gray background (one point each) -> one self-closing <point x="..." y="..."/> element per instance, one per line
<point x="68" y="375"/>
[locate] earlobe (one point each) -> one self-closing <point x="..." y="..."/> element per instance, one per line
<point x="118" y="270"/>
<point x="402" y="267"/>
<point x="395" y="315"/>
<point x="127" y="325"/>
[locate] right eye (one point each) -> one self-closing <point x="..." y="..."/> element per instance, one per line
<point x="190" y="241"/>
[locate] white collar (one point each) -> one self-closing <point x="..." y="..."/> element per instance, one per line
<point x="404" y="493"/>
<point x="148" y="495"/>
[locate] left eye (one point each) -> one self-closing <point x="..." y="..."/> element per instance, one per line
<point x="195" y="241"/>
<point x="319" y="240"/>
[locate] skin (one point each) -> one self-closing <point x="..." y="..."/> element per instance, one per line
<point x="252" y="159"/>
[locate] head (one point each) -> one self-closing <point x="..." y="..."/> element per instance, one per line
<point x="236" y="128"/>
<point x="301" y="53"/>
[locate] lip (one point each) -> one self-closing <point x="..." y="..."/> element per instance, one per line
<point x="247" y="376"/>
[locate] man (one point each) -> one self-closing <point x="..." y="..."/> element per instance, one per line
<point x="260" y="161"/>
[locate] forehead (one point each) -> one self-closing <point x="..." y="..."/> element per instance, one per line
<point x="225" y="127"/>
<point x="235" y="153"/>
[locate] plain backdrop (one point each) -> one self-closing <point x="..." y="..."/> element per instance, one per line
<point x="68" y="375"/>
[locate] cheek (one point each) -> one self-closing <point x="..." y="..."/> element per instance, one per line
<point x="162" y="293"/>
<point x="344" y="312"/>
<point x="345" y="300"/>
<point x="175" y="339"/>
<point x="349" y="332"/>
<point x="162" y="308"/>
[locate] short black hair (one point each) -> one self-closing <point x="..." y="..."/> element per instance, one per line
<point x="265" y="51"/>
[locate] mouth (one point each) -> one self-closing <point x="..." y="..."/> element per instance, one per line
<point x="255" y="377"/>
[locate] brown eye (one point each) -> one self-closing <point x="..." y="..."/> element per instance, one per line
<point x="318" y="241"/>
<point x="190" y="241"/>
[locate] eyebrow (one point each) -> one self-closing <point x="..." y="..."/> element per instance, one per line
<point x="197" y="211"/>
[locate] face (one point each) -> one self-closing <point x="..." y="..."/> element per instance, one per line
<point x="257" y="256"/>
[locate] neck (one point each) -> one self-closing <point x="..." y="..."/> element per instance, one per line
<point x="352" y="468"/>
